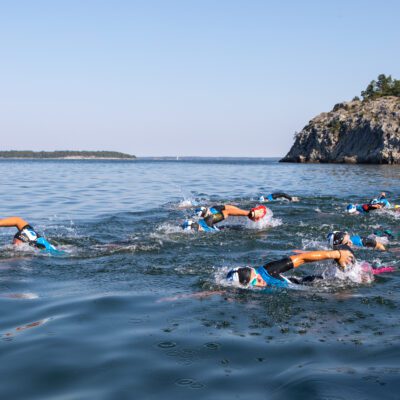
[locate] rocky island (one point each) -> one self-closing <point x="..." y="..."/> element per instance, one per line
<point x="66" y="155"/>
<point x="358" y="131"/>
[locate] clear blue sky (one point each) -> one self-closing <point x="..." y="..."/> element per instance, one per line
<point x="167" y="77"/>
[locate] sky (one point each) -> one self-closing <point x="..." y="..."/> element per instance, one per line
<point x="184" y="77"/>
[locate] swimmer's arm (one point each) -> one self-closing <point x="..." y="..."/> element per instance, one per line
<point x="343" y="257"/>
<point x="17" y="222"/>
<point x="373" y="243"/>
<point x="380" y="246"/>
<point x="376" y="206"/>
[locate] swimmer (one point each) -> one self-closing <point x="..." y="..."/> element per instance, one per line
<point x="213" y="215"/>
<point x="337" y="238"/>
<point x="381" y="200"/>
<point x="26" y="234"/>
<point x="277" y="196"/>
<point x="270" y="274"/>
<point x="374" y="204"/>
<point x="362" y="208"/>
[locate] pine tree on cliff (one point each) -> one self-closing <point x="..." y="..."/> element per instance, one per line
<point x="384" y="86"/>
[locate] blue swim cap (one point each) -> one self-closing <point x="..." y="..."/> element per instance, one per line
<point x="200" y="212"/>
<point x="44" y="245"/>
<point x="351" y="208"/>
<point x="187" y="225"/>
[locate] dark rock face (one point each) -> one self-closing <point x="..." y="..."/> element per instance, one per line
<point x="353" y="132"/>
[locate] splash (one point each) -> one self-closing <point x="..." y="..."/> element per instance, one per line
<point x="168" y="229"/>
<point x="392" y="213"/>
<point x="360" y="272"/>
<point x="187" y="203"/>
<point x="266" y="222"/>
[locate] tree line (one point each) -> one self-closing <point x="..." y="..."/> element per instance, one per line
<point x="64" y="154"/>
<point x="383" y="86"/>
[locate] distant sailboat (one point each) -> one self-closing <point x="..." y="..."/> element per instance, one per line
<point x="177" y="158"/>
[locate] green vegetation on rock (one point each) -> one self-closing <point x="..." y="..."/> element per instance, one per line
<point x="384" y="86"/>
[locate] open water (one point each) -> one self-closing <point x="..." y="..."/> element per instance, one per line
<point x="137" y="309"/>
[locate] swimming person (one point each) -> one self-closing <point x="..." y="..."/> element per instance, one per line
<point x="374" y="204"/>
<point x="337" y="238"/>
<point x="362" y="208"/>
<point x="277" y="196"/>
<point x="210" y="216"/>
<point x="26" y="234"/>
<point x="381" y="200"/>
<point x="270" y="274"/>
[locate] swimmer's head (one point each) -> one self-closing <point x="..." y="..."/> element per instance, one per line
<point x="189" y="225"/>
<point x="336" y="238"/>
<point x="201" y="211"/>
<point x="241" y="275"/>
<point x="374" y="201"/>
<point x="351" y="209"/>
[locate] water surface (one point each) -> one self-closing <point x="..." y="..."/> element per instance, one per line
<point x="136" y="309"/>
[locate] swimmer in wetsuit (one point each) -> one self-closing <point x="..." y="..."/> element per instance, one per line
<point x="210" y="216"/>
<point x="337" y="238"/>
<point x="381" y="200"/>
<point x="270" y="274"/>
<point x="26" y="234"/>
<point x="277" y="196"/>
<point x="374" y="204"/>
<point x="362" y="208"/>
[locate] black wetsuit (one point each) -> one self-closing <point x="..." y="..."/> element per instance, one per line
<point x="214" y="215"/>
<point x="280" y="195"/>
<point x="276" y="268"/>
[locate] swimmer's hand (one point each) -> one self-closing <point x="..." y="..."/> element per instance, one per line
<point x="345" y="258"/>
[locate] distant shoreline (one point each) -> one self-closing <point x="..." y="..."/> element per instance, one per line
<point x="64" y="155"/>
<point x="68" y="158"/>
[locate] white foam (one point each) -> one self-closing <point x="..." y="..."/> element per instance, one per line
<point x="360" y="272"/>
<point x="267" y="221"/>
<point x="168" y="228"/>
<point x="391" y="213"/>
<point x="187" y="203"/>
<point x="313" y="244"/>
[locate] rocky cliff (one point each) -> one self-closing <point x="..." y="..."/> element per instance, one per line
<point x="353" y="132"/>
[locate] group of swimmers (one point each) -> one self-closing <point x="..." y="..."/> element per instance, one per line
<point x="271" y="273"/>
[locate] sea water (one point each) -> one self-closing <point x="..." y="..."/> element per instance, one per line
<point x="138" y="308"/>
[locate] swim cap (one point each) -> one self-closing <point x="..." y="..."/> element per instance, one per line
<point x="187" y="225"/>
<point x="239" y="275"/>
<point x="200" y="212"/>
<point x="335" y="238"/>
<point x="233" y="275"/>
<point x="374" y="201"/>
<point x="43" y="244"/>
<point x="351" y="208"/>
